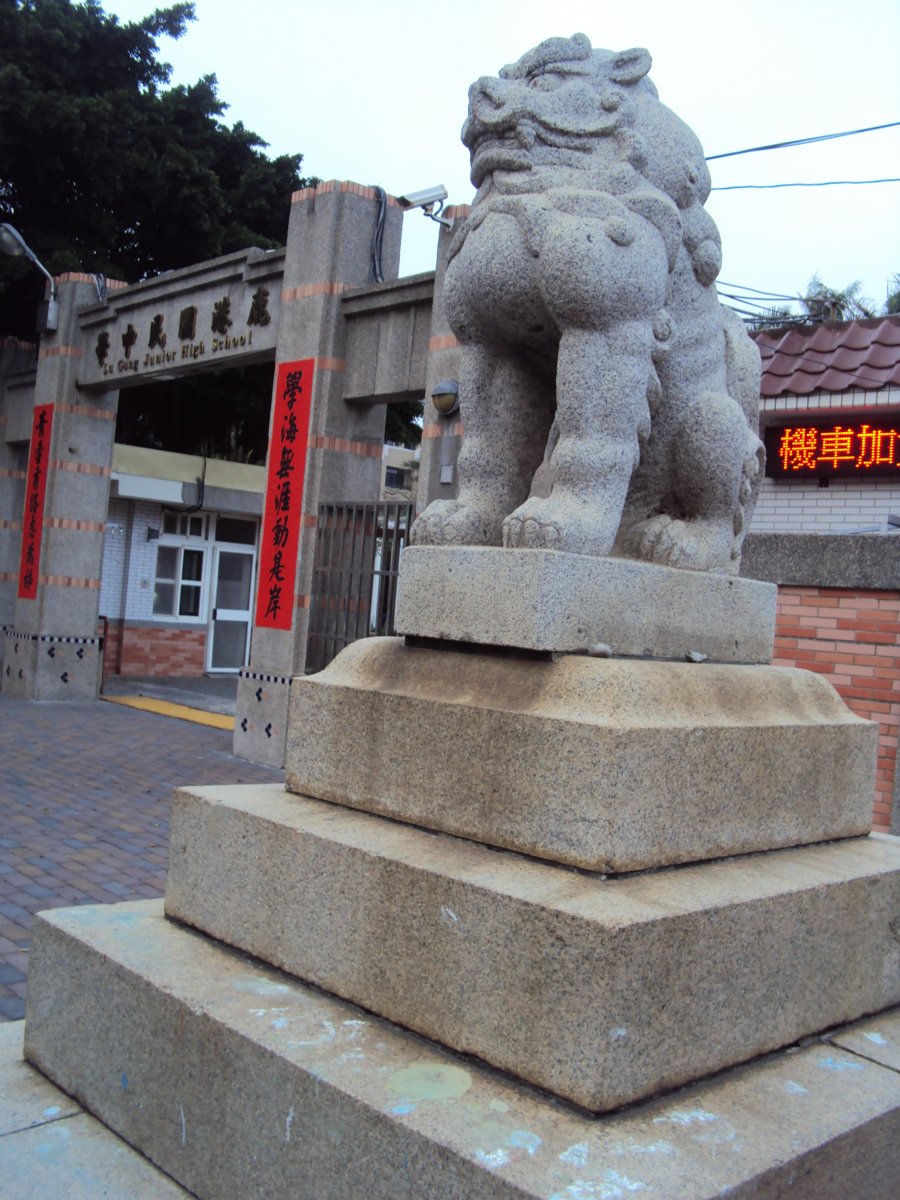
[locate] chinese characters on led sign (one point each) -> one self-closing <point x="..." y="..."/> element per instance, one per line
<point x="284" y="492"/>
<point x="848" y="448"/>
<point x="35" y="493"/>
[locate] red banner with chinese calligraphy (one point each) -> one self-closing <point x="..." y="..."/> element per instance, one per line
<point x="280" y="539"/>
<point x="35" y="494"/>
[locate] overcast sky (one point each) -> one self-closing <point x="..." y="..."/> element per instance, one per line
<point x="376" y="93"/>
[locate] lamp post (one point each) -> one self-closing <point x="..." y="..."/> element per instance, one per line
<point x="12" y="243"/>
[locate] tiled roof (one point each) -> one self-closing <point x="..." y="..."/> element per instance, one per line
<point x="832" y="357"/>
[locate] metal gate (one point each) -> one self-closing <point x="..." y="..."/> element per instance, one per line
<point x="354" y="575"/>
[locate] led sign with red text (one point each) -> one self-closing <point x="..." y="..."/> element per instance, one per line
<point x="842" y="447"/>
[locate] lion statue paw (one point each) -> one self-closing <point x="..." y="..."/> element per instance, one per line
<point x="693" y="545"/>
<point x="452" y="522"/>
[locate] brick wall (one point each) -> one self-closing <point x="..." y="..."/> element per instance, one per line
<point x="110" y="629"/>
<point x="161" y="650"/>
<point x="852" y="637"/>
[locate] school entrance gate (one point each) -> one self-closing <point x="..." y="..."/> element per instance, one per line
<point x="341" y="347"/>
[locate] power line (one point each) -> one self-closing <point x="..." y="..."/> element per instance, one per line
<point x="763" y="304"/>
<point x="807" y="141"/>
<point x="761" y="187"/>
<point x="756" y="291"/>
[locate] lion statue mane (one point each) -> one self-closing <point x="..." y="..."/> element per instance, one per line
<point x="609" y="402"/>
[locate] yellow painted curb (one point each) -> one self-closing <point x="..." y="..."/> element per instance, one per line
<point x="166" y="708"/>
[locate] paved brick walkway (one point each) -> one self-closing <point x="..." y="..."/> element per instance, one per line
<point x="84" y="810"/>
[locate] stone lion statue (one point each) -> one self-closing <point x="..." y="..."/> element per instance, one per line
<point x="610" y="403"/>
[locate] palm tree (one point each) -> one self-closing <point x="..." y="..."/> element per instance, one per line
<point x="822" y="303"/>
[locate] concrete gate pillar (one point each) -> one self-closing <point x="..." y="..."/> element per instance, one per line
<point x="53" y="647"/>
<point x="329" y="250"/>
<point x="16" y="360"/>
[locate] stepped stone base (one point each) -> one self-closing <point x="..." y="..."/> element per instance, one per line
<point x="555" y="601"/>
<point x="601" y="991"/>
<point x="240" y="1082"/>
<point x="608" y="764"/>
<point x="51" y="1150"/>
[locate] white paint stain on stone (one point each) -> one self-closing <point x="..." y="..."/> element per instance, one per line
<point x="840" y="1064"/>
<point x="55" y="1142"/>
<point x="351" y="1056"/>
<point x="796" y="1089"/>
<point x="328" y="1034"/>
<point x="260" y="986"/>
<point x="354" y="1029"/>
<point x="448" y="916"/>
<point x="611" y="1186"/>
<point x="711" y="1129"/>
<point x="659" y="1147"/>
<point x="686" y="1116"/>
<point x="577" y="1155"/>
<point x="53" y="1111"/>
<point x="493" y="1159"/>
<point x="524" y="1139"/>
<point x="620" y="1034"/>
<point x="876" y="1038"/>
<point x="183" y="1124"/>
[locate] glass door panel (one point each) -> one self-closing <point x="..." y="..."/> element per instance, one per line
<point x="230" y="617"/>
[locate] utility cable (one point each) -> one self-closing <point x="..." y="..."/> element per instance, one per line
<point x="378" y="235"/>
<point x="761" y="187"/>
<point x="807" y="141"/>
<point x="756" y="291"/>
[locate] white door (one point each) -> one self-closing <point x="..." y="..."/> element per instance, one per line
<point x="230" y="615"/>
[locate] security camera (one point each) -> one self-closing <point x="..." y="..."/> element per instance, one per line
<point x="424" y="199"/>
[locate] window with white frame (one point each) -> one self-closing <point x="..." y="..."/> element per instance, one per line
<point x="185" y="524"/>
<point x="178" y="588"/>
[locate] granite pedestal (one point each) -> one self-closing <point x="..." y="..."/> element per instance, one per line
<point x="241" y="1082"/>
<point x="560" y="602"/>
<point x="608" y="764"/>
<point x="596" y="879"/>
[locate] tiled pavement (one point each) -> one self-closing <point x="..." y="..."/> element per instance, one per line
<point x="84" y="810"/>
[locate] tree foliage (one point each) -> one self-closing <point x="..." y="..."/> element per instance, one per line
<point x="821" y="303"/>
<point x="105" y="168"/>
<point x="219" y="414"/>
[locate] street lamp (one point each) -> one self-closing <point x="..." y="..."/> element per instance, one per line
<point x="12" y="243"/>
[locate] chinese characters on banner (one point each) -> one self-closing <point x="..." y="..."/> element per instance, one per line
<point x="840" y="449"/>
<point x="35" y="492"/>
<point x="284" y="491"/>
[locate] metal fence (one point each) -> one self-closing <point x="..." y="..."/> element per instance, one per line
<point x="354" y="575"/>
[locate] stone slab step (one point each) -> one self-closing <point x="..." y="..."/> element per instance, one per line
<point x="51" y="1148"/>
<point x="551" y="600"/>
<point x="240" y="1082"/>
<point x="607" y="764"/>
<point x="601" y="991"/>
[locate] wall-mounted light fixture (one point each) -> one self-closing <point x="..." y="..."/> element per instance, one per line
<point x="426" y="199"/>
<point x="12" y="243"/>
<point x="445" y="397"/>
